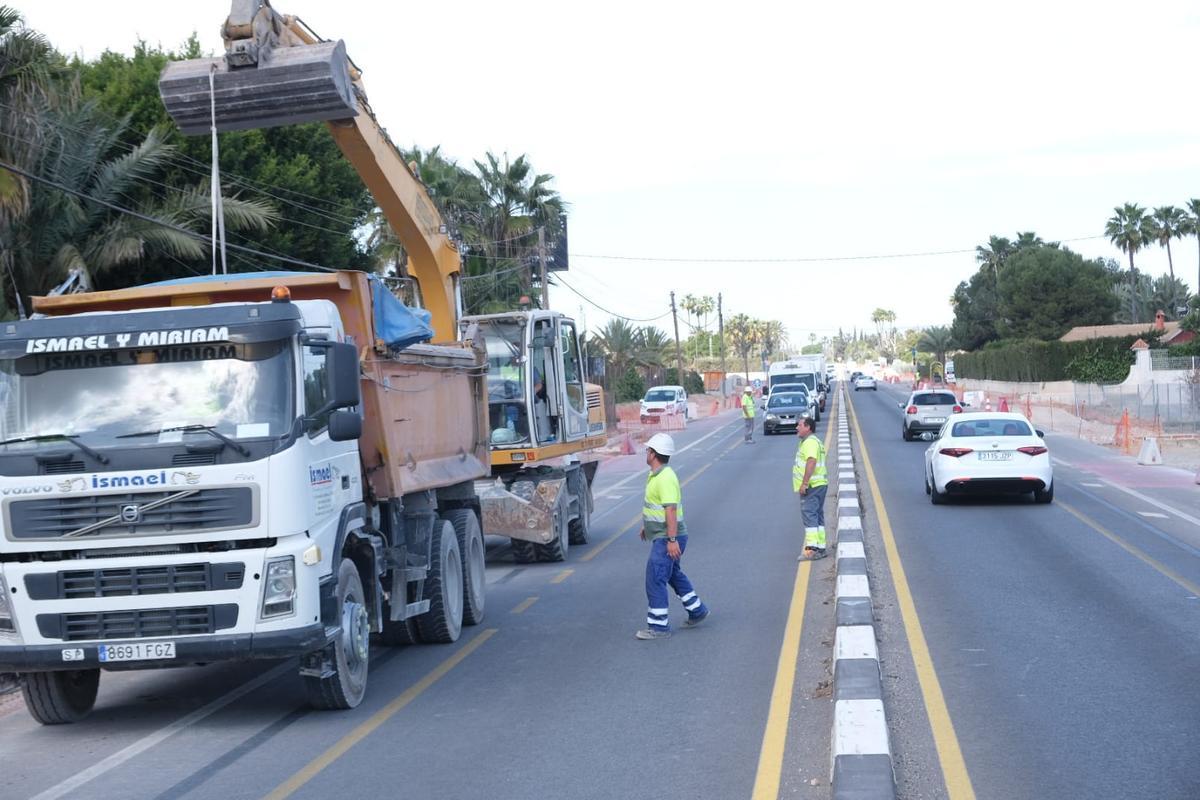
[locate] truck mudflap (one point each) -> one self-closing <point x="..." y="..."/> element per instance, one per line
<point x="526" y="511"/>
<point x="198" y="650"/>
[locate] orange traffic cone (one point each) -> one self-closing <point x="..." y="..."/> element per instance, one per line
<point x="1003" y="404"/>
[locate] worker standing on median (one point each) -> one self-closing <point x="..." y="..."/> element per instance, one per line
<point x="664" y="528"/>
<point x="748" y="413"/>
<point x="810" y="481"/>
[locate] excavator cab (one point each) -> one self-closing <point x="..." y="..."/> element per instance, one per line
<point x="538" y="401"/>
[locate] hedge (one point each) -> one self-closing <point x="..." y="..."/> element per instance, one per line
<point x="1090" y="361"/>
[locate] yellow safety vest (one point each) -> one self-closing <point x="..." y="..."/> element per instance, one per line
<point x="662" y="490"/>
<point x="748" y="406"/>
<point x="810" y="447"/>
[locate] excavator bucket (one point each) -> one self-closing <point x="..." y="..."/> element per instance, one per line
<point x="302" y="83"/>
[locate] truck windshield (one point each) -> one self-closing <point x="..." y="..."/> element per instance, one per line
<point x="243" y="391"/>
<point x="807" y="378"/>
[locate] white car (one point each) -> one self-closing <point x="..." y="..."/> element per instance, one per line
<point x="987" y="453"/>
<point x="663" y="400"/>
<point x="865" y="382"/>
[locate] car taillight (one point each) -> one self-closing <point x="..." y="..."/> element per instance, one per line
<point x="955" y="452"/>
<point x="958" y="409"/>
<point x="910" y="410"/>
<point x="1032" y="450"/>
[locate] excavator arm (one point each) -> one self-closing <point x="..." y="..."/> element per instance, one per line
<point x="275" y="71"/>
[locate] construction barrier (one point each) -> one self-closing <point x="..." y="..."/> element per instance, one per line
<point x="1150" y="455"/>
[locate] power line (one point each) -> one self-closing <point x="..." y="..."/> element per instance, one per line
<point x="592" y="302"/>
<point x="798" y="260"/>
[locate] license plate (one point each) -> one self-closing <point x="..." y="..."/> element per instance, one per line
<point x="138" y="651"/>
<point x="996" y="455"/>
<point x="935" y="419"/>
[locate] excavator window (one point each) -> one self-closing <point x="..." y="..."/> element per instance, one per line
<point x="507" y="414"/>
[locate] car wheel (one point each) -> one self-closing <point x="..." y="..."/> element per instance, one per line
<point x="1044" y="495"/>
<point x="928" y="490"/>
<point x="906" y="433"/>
<point x="935" y="496"/>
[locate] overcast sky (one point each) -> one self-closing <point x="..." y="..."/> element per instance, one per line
<point x="696" y="130"/>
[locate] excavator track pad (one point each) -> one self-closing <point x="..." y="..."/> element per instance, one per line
<point x="289" y="85"/>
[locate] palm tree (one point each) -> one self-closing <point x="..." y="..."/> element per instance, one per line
<point x="772" y="335"/>
<point x="59" y="232"/>
<point x="1135" y="299"/>
<point x="653" y="346"/>
<point x="936" y="340"/>
<point x="1168" y="223"/>
<point x="743" y="335"/>
<point x="1170" y="294"/>
<point x="699" y="308"/>
<point x="621" y="344"/>
<point x="1193" y="228"/>
<point x="1028" y="239"/>
<point x="1130" y="229"/>
<point x="993" y="254"/>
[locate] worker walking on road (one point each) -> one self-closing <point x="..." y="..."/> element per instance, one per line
<point x="664" y="528"/>
<point x="748" y="413"/>
<point x="810" y="481"/>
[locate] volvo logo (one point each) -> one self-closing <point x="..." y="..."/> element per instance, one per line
<point x="131" y="514"/>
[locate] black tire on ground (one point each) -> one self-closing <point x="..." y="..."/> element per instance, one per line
<point x="523" y="552"/>
<point x="399" y="634"/>
<point x="928" y="490"/>
<point x="58" y="698"/>
<point x="908" y="437"/>
<point x="936" y="497"/>
<point x="579" y="529"/>
<point x="470" y="546"/>
<point x="442" y="624"/>
<point x="1044" y="495"/>
<point x="347" y="685"/>
<point x="558" y="549"/>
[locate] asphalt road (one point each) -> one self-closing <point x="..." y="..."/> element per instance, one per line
<point x="1063" y="638"/>
<point x="550" y="697"/>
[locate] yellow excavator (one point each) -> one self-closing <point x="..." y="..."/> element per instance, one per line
<point x="542" y="413"/>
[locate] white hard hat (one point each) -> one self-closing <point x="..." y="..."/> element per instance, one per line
<point x="662" y="444"/>
<point x="747" y="389"/>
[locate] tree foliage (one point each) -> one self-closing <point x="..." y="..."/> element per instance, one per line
<point x="1045" y="291"/>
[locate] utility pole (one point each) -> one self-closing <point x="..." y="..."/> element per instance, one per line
<point x="678" y="352"/>
<point x="721" y="335"/>
<point x="542" y="268"/>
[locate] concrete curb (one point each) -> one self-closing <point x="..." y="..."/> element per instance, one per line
<point x="861" y="754"/>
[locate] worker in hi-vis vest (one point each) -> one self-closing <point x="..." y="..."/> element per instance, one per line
<point x="810" y="482"/>
<point x="748" y="413"/>
<point x="664" y="528"/>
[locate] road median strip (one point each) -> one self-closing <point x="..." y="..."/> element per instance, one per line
<point x="861" y="752"/>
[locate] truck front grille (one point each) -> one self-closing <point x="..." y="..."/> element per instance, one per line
<point x="138" y="624"/>
<point x="107" y="515"/>
<point x="128" y="581"/>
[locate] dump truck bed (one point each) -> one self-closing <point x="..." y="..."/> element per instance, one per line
<point x="424" y="424"/>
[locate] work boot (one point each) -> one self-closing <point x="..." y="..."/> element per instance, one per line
<point x="650" y="633"/>
<point x="692" y="622"/>
<point x="812" y="554"/>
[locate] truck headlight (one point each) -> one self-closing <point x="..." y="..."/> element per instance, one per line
<point x="279" y="588"/>
<point x="8" y="623"/>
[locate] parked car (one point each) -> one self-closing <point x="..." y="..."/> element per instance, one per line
<point x="865" y="382"/>
<point x="927" y="411"/>
<point x="663" y="400"/>
<point x="987" y="453"/>
<point x="785" y="408"/>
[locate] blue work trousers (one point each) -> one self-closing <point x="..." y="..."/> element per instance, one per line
<point x="663" y="571"/>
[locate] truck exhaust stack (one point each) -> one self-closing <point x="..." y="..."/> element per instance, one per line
<point x="305" y="83"/>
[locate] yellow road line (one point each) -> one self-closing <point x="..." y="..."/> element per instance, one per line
<point x="954" y="768"/>
<point x="562" y="576"/>
<point x="774" y="741"/>
<point x="524" y="605"/>
<point x="314" y="767"/>
<point x="1134" y="551"/>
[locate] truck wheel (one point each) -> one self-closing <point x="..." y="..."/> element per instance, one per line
<point x="470" y="545"/>
<point x="351" y="649"/>
<point x="557" y="550"/>
<point x="579" y="528"/>
<point x="523" y="552"/>
<point x="57" y="698"/>
<point x="400" y="633"/>
<point x="444" y="587"/>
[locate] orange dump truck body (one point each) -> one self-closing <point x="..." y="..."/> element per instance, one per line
<point x="424" y="424"/>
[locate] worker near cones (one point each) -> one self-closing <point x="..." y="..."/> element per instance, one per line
<point x="809" y="480"/>
<point x="663" y="526"/>
<point x="748" y="413"/>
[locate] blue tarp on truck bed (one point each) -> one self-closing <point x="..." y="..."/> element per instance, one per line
<point x="396" y="324"/>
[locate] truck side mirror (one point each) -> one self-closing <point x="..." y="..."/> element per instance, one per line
<point x="345" y="391"/>
<point x="344" y="426"/>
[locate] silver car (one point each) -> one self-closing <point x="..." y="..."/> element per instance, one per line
<point x="927" y="410"/>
